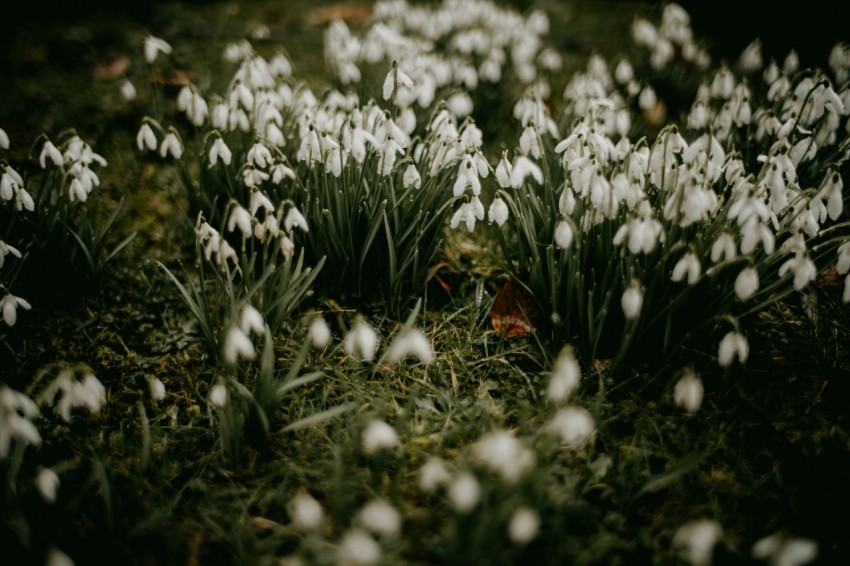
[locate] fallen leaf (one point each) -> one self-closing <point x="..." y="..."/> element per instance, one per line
<point x="349" y="14"/>
<point x="514" y="312"/>
<point x="113" y="70"/>
<point x="176" y="78"/>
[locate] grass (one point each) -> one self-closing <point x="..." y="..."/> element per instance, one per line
<point x="143" y="481"/>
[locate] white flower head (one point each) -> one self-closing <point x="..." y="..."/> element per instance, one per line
<point x="361" y="341"/>
<point x="378" y="435"/>
<point x="154" y="46"/>
<point x="218" y="395"/>
<point x="294" y="218"/>
<point x="128" y="90"/>
<point x="734" y="344"/>
<point x="498" y="212"/>
<point x="9" y="305"/>
<point x="688" y="391"/>
<point x="747" y="283"/>
<point x="782" y="550"/>
<point x="250" y="320"/>
<point x="306" y="513"/>
<point x="145" y="138"/>
<point x="358" y="548"/>
<point x="696" y="540"/>
<point x="319" y="332"/>
<point x="524" y="525"/>
<point x="565" y="376"/>
<point x="632" y="301"/>
<point x="433" y="474"/>
<point x="56" y="557"/>
<point x="380" y="517"/>
<point x="4" y="139"/>
<point x="688" y="266"/>
<point x="156" y="388"/>
<point x="573" y="425"/>
<point x="47" y="483"/>
<point x="504" y="454"/>
<point x="16" y="412"/>
<point x="411" y="177"/>
<point x="464" y="492"/>
<point x="412" y="342"/>
<point x="237" y="345"/>
<point x="564" y="234"/>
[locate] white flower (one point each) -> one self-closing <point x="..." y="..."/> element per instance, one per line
<point x="294" y="218"/>
<point x="574" y="425"/>
<point x="319" y="332"/>
<point x="154" y="46"/>
<point x="411" y="343"/>
<point x="128" y="91"/>
<point x="47" y="483"/>
<point x="56" y="557"/>
<point x="157" y="388"/>
<point x="696" y="540"/>
<point x="464" y="492"/>
<point x="842" y="266"/>
<point x="380" y="517"/>
<point x="498" y="212"/>
<point x="305" y="512"/>
<point x="846" y="295"/>
<point x="785" y="551"/>
<point x="504" y="454"/>
<point x="632" y="301"/>
<point x="241" y="218"/>
<point x="219" y="150"/>
<point x="145" y="138"/>
<point x="524" y="525"/>
<point x="51" y="152"/>
<point x="732" y="345"/>
<point x="565" y="376"/>
<point x="747" y="283"/>
<point x="357" y="547"/>
<point x="803" y="267"/>
<point x="218" y="395"/>
<point x="688" y="392"/>
<point x="251" y="320"/>
<point x="522" y="168"/>
<point x="503" y="172"/>
<point x="16" y="410"/>
<point x="361" y="341"/>
<point x="236" y="345"/>
<point x="378" y="435"/>
<point x="6" y="249"/>
<point x="723" y="248"/>
<point x="87" y="392"/>
<point x="171" y="145"/>
<point x="433" y="474"/>
<point x="396" y="77"/>
<point x="688" y="265"/>
<point x="563" y="234"/>
<point x="411" y="177"/>
<point x="4" y="139"/>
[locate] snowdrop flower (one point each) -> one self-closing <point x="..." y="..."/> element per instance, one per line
<point x="504" y="454"/>
<point x="219" y="151"/>
<point x="696" y="540"/>
<point x="306" y="513"/>
<point x="647" y="98"/>
<point x="732" y="345"/>
<point x="128" y="91"/>
<point x="433" y="474"/>
<point x="573" y="425"/>
<point x="464" y="492"/>
<point x="6" y="249"/>
<point x="688" y="391"/>
<point x="395" y="81"/>
<point x="87" y="392"/>
<point x="565" y="376"/>
<point x="781" y="550"/>
<point x="689" y="265"/>
<point x="10" y="304"/>
<point x="4" y="139"/>
<point x="380" y="517"/>
<point x="358" y="548"/>
<point x="411" y="177"/>
<point x="154" y="46"/>
<point x="319" y="332"/>
<point x="16" y="414"/>
<point x="156" y="388"/>
<point x="294" y="218"/>
<point x="751" y="58"/>
<point x="251" y="320"/>
<point x="47" y="483"/>
<point x="145" y="138"/>
<point x="522" y="168"/>
<point x="51" y="152"/>
<point x="632" y="300"/>
<point x="218" y="395"/>
<point x="803" y="267"/>
<point x="723" y="248"/>
<point x="524" y="525"/>
<point x="842" y="266"/>
<point x="503" y="172"/>
<point x="498" y="212"/>
<point x="241" y="218"/>
<point x="411" y="343"/>
<point x="460" y="104"/>
<point x="378" y="435"/>
<point x="361" y="341"/>
<point x="564" y="234"/>
<point x="747" y="283"/>
<point x="171" y="145"/>
<point x="56" y="557"/>
<point x="237" y="345"/>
